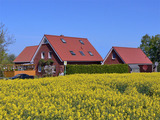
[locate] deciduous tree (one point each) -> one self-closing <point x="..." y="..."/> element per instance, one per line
<point x="5" y="40"/>
<point x="151" y="47"/>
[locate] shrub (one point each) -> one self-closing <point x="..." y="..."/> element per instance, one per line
<point x="49" y="62"/>
<point x="41" y="62"/>
<point x="116" y="68"/>
<point x="158" y="68"/>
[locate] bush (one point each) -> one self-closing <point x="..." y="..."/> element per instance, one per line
<point x="41" y="62"/>
<point x="116" y="68"/>
<point x="49" y="62"/>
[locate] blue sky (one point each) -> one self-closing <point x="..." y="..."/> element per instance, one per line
<point x="105" y="23"/>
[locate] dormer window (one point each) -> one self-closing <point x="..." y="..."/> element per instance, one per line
<point x="63" y="40"/>
<point x="82" y="53"/>
<point x="113" y="55"/>
<point x="72" y="53"/>
<point x="81" y="42"/>
<point x="42" y="55"/>
<point x="90" y="53"/>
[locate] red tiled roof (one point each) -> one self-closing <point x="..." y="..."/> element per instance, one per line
<point x="73" y="44"/>
<point x="132" y="55"/>
<point x="27" y="54"/>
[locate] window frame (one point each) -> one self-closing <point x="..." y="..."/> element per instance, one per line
<point x="63" y="40"/>
<point x="113" y="55"/>
<point x="81" y="42"/>
<point x="90" y="53"/>
<point x="72" y="53"/>
<point x="46" y="41"/>
<point x="39" y="68"/>
<point x="49" y="54"/>
<point x="42" y="55"/>
<point x="82" y="53"/>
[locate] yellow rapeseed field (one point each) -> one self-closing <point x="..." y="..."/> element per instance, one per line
<point x="82" y="96"/>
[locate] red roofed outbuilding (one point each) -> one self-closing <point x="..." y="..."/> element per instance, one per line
<point x="60" y="48"/>
<point x="134" y="57"/>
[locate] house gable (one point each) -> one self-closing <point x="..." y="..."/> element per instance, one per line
<point x="47" y="49"/>
<point x="110" y="60"/>
<point x="44" y="41"/>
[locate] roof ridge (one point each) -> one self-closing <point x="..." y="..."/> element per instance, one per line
<point x="124" y="47"/>
<point x="33" y="46"/>
<point x="63" y="36"/>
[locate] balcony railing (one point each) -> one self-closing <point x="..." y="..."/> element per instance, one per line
<point x="11" y="70"/>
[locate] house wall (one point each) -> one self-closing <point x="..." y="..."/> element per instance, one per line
<point x="149" y="69"/>
<point x="117" y="60"/>
<point x="47" y="48"/>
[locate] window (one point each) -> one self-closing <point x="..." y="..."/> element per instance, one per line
<point x="113" y="55"/>
<point x="90" y="53"/>
<point x="82" y="53"/>
<point x="49" y="54"/>
<point x="72" y="53"/>
<point x="39" y="68"/>
<point x="45" y="41"/>
<point x="81" y="42"/>
<point x="63" y="40"/>
<point x="42" y="55"/>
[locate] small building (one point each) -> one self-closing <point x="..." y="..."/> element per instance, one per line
<point x="134" y="57"/>
<point x="59" y="49"/>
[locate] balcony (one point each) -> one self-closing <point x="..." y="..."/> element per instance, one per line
<point x="11" y="70"/>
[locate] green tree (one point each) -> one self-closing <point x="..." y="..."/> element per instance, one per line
<point x="151" y="47"/>
<point x="11" y="58"/>
<point x="5" y="40"/>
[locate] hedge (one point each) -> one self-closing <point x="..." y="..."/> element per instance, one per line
<point x="90" y="69"/>
<point x="158" y="68"/>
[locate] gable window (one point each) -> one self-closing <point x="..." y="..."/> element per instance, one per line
<point x="49" y="54"/>
<point x="82" y="53"/>
<point x="63" y="40"/>
<point x="81" y="42"/>
<point x="45" y="41"/>
<point x="42" y="55"/>
<point x="113" y="55"/>
<point x="72" y="53"/>
<point x="91" y="54"/>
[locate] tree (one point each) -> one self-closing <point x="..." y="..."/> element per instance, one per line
<point x="151" y="47"/>
<point x="11" y="58"/>
<point x="5" y="40"/>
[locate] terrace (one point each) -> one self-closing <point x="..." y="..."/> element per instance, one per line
<point x="11" y="70"/>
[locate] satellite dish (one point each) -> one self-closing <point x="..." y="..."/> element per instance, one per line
<point x="156" y="63"/>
